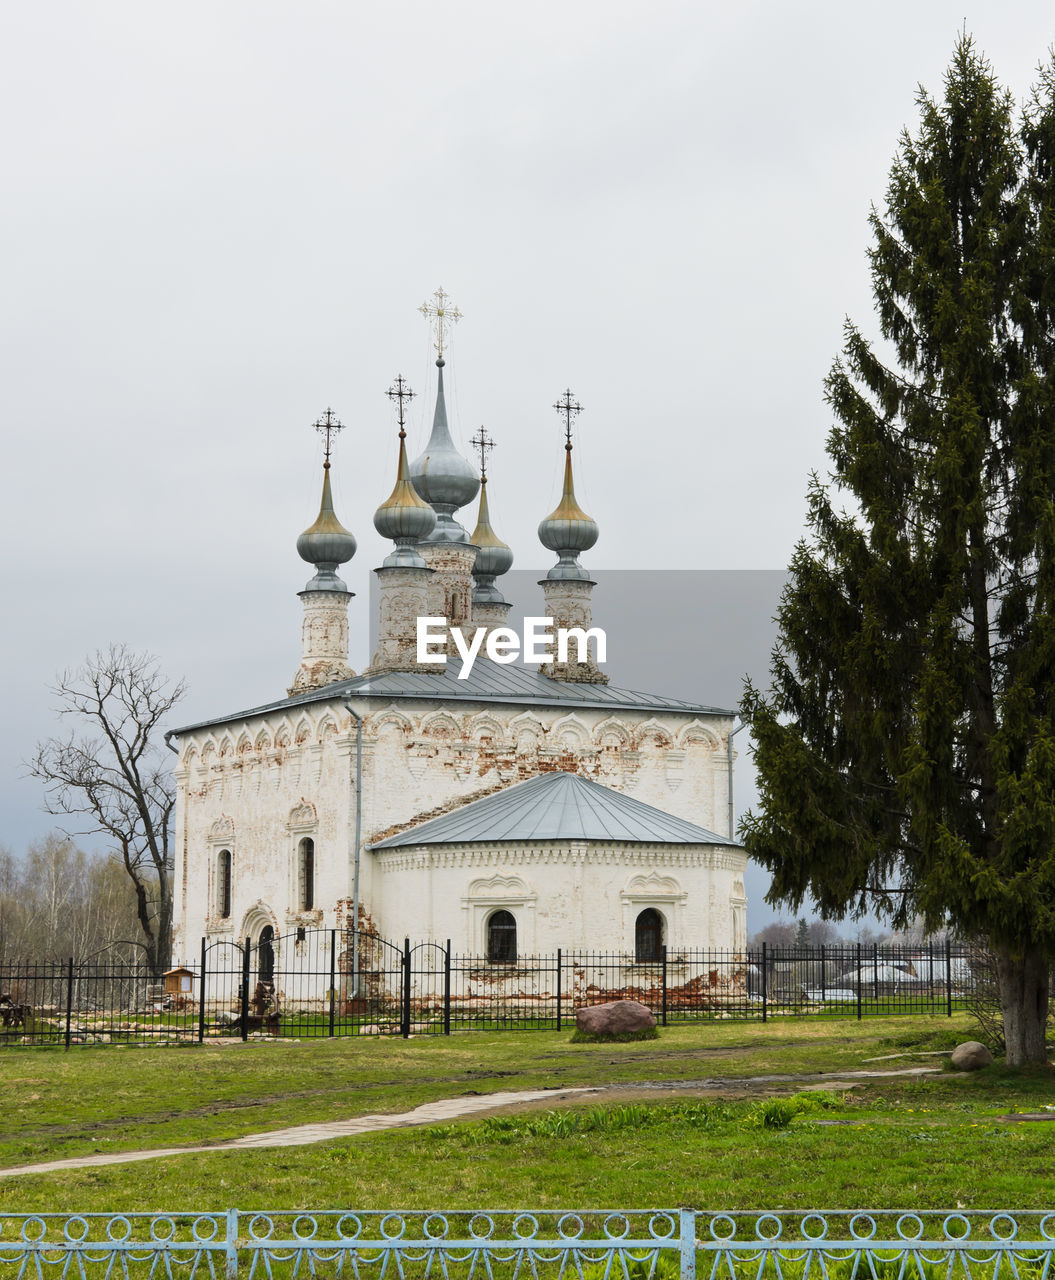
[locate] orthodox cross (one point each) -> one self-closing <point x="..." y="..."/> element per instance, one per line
<point x="442" y="313"/>
<point x="569" y="409"/>
<point x="397" y="393"/>
<point x="483" y="442"/>
<point x="328" y="425"/>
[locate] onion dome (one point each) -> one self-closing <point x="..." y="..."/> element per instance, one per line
<point x="492" y="559"/>
<point x="568" y="530"/>
<point x="326" y="544"/>
<point x="442" y="476"/>
<point x="405" y="517"/>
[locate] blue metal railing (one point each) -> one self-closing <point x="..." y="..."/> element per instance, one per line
<point x="618" y="1244"/>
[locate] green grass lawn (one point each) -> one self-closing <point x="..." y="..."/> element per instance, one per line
<point x="922" y="1142"/>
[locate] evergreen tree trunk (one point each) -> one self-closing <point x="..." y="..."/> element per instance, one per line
<point x="1023" y="979"/>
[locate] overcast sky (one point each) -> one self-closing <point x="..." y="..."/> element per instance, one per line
<point x="219" y="218"/>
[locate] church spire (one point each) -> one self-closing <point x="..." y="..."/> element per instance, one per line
<point x="404" y="516"/>
<point x="569" y="531"/>
<point x="493" y="557"/>
<point x="326" y="544"/>
<point x="441" y="475"/>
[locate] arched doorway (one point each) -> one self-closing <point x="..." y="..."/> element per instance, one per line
<point x="265" y="955"/>
<point x="648" y="936"/>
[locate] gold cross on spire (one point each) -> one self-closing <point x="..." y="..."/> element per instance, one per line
<point x="328" y="425"/>
<point x="569" y="409"/>
<point x="442" y="313"/>
<point x="483" y="442"/>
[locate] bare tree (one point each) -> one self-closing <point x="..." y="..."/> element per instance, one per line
<point x="111" y="773"/>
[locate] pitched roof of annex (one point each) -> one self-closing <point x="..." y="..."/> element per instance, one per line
<point x="555" y="807"/>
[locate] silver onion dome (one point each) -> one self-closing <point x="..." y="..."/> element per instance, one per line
<point x="326" y="544"/>
<point x="568" y="530"/>
<point x="494" y="557"/>
<point x="404" y="517"/>
<point x="442" y="476"/>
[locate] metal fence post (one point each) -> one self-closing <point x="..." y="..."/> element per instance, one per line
<point x="664" y="984"/>
<point x="69" y="999"/>
<point x="875" y="971"/>
<point x="930" y="970"/>
<point x="687" y="1244"/>
<point x="201" y="997"/>
<point x="559" y="965"/>
<point x="245" y="990"/>
<point x="333" y="977"/>
<point x="858" y="982"/>
<point x="405" y="1018"/>
<point x="765" y="981"/>
<point x="823" y="977"/>
<point x="447" y="989"/>
<point x="948" y="978"/>
<point x="231" y="1252"/>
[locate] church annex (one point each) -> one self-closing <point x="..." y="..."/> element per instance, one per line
<point x="522" y="809"/>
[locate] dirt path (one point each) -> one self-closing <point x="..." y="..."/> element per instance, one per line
<point x="464" y="1105"/>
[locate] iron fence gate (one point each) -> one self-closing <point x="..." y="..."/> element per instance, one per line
<point x="327" y="982"/>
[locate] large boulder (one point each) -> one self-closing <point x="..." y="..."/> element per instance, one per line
<point x="619" y="1017"/>
<point x="972" y="1055"/>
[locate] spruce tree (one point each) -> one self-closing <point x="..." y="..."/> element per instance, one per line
<point x="906" y="751"/>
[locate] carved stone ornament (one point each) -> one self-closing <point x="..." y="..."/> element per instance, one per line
<point x="302" y="816"/>
<point x="222" y="829"/>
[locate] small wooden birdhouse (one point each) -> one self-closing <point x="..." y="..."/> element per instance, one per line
<point x="179" y="982"/>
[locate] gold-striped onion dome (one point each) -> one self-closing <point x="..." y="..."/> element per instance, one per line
<point x="327" y="541"/>
<point x="404" y="516"/>
<point x="494" y="556"/>
<point x="568" y="530"/>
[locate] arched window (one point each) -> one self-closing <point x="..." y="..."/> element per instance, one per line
<point x="223" y="884"/>
<point x="502" y="938"/>
<point x="265" y="955"/>
<point x="648" y="936"/>
<point x="306" y="875"/>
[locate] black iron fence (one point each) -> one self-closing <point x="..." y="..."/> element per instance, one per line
<point x="322" y="982"/>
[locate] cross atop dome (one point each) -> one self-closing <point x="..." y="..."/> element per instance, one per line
<point x="569" y="409"/>
<point x="483" y="444"/>
<point x="442" y="313"/>
<point x="329" y="425"/>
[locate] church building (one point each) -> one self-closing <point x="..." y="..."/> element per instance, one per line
<point x="518" y="810"/>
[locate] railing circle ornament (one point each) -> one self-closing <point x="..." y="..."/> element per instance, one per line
<point x="1047" y="1226"/>
<point x="305" y="1227"/>
<point x="1003" y="1227"/>
<point x="261" y="1227"/>
<point x="349" y="1226"/>
<point x="525" y="1226"/>
<point x="956" y="1227"/>
<point x="863" y="1227"/>
<point x="723" y="1221"/>
<point x="662" y="1226"/>
<point x="393" y="1226"/>
<point x="163" y="1229"/>
<point x="481" y="1226"/>
<point x="814" y="1226"/>
<point x="616" y="1226"/>
<point x="33" y="1225"/>
<point x="75" y="1229"/>
<point x="909" y="1226"/>
<point x="119" y="1229"/>
<point x="570" y="1226"/>
<point x="436" y="1227"/>
<point x="769" y="1227"/>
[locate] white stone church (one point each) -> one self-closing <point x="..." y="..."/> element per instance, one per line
<point x="522" y="809"/>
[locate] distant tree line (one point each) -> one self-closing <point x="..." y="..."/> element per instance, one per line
<point x="822" y="933"/>
<point x="56" y="900"/>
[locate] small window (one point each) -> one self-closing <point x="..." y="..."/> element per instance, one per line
<point x="265" y="955"/>
<point x="306" y="877"/>
<point x="648" y="936"/>
<point x="223" y="884"/>
<point x="502" y="938"/>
